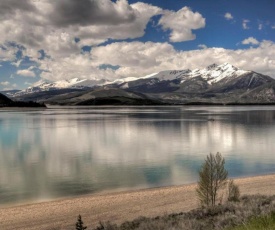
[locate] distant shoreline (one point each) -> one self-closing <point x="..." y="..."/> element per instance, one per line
<point x="22" y="104"/>
<point x="49" y="106"/>
<point x="118" y="206"/>
<point x="165" y="104"/>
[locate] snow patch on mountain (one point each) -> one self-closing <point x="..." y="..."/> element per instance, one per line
<point x="215" y="73"/>
<point x="166" y="75"/>
<point x="129" y="79"/>
<point x="123" y="80"/>
<point x="212" y="74"/>
<point x="149" y="75"/>
<point x="169" y="75"/>
<point x="77" y="83"/>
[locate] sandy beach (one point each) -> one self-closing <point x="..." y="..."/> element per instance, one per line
<point x="117" y="207"/>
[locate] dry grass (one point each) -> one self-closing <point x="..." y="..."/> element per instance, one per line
<point x="219" y="217"/>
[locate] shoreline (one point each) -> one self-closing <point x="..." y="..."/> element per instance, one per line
<point x="118" y="207"/>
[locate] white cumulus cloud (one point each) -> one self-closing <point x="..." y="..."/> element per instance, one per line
<point x="202" y="46"/>
<point x="137" y="59"/>
<point x="44" y="25"/>
<point x="250" y="41"/>
<point x="181" y="24"/>
<point x="26" y="72"/>
<point x="163" y="56"/>
<point x="245" y="24"/>
<point x="75" y="65"/>
<point x="228" y="16"/>
<point x="5" y="83"/>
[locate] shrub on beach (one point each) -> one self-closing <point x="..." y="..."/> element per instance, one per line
<point x="212" y="178"/>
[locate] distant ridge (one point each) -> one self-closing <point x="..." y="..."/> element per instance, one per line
<point x="6" y="102"/>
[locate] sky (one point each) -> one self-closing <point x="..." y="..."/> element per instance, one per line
<point x="104" y="39"/>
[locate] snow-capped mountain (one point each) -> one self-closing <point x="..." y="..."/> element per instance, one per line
<point x="214" y="84"/>
<point x="211" y="74"/>
<point x="215" y="73"/>
<point x="75" y="83"/>
<point x="184" y="80"/>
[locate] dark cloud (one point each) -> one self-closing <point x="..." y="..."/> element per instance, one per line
<point x="8" y="7"/>
<point x="91" y="12"/>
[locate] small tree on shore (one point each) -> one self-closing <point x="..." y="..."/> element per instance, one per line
<point x="79" y="224"/>
<point x="212" y="178"/>
<point x="233" y="192"/>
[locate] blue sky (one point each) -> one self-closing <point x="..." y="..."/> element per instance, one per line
<point x="95" y="39"/>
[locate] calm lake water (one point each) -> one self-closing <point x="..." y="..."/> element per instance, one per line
<point x="67" y="151"/>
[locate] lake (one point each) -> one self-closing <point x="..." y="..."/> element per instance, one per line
<point x="68" y="151"/>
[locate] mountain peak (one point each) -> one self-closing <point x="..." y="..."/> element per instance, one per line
<point x="39" y="83"/>
<point x="227" y="65"/>
<point x="224" y="66"/>
<point x="75" y="80"/>
<point x="212" y="66"/>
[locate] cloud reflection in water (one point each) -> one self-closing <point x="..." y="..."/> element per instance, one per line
<point x="62" y="152"/>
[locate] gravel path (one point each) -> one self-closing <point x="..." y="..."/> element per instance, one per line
<point x="116" y="207"/>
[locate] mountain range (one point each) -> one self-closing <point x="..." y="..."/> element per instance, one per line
<point x="215" y="84"/>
